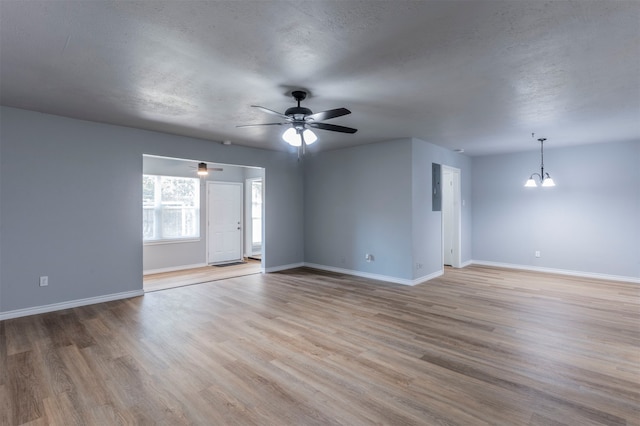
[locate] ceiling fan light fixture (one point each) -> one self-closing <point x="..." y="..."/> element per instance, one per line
<point x="202" y="169"/>
<point x="309" y="137"/>
<point x="299" y="118"/>
<point x="292" y="137"/>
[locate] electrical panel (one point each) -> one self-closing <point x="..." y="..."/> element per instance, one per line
<point x="436" y="189"/>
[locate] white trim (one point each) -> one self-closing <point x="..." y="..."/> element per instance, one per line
<point x="377" y="277"/>
<point x="466" y="263"/>
<point x="173" y="241"/>
<point x="457" y="213"/>
<point x="248" y="220"/>
<point x="593" y="275"/>
<point x="429" y="277"/>
<point x="70" y="304"/>
<point x="173" y="268"/>
<point x="283" y="267"/>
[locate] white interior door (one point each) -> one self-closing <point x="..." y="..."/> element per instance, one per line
<point x="451" y="216"/>
<point x="224" y="222"/>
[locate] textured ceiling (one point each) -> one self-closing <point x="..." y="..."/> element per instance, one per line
<point x="477" y="75"/>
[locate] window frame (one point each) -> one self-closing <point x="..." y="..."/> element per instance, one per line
<point x="157" y="209"/>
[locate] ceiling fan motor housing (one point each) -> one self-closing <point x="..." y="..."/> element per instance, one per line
<point x="299" y="95"/>
<point x="298" y="112"/>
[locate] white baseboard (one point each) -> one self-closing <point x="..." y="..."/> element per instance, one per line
<point x="429" y="277"/>
<point x="467" y="263"/>
<point x="378" y="277"/>
<point x="70" y="304"/>
<point x="173" y="268"/>
<point x="283" y="267"/>
<point x="593" y="275"/>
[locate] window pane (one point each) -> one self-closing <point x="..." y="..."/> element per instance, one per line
<point x="148" y="188"/>
<point x="256" y="213"/>
<point x="179" y="190"/>
<point x="171" y="207"/>
<point x="148" y="223"/>
<point x="171" y="220"/>
<point x="148" y="203"/>
<point x="256" y="231"/>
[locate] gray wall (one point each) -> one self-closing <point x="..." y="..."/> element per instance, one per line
<point x="70" y="194"/>
<point x="358" y="201"/>
<point x="70" y="207"/>
<point x="589" y="222"/>
<point x="427" y="224"/>
<point x="178" y="254"/>
<point x="376" y="199"/>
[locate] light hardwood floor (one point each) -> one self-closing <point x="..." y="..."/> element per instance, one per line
<point x="165" y="280"/>
<point x="477" y="346"/>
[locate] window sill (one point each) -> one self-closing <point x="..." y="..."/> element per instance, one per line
<point x="163" y="242"/>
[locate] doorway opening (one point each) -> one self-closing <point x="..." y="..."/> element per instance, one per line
<point x="200" y="253"/>
<point x="451" y="217"/>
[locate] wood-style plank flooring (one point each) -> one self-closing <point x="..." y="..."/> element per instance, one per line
<point x="165" y="280"/>
<point x="477" y="346"/>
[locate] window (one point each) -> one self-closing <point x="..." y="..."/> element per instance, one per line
<point x="256" y="213"/>
<point x="171" y="208"/>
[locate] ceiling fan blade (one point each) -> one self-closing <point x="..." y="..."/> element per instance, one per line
<point x="325" y="115"/>
<point x="261" y="124"/>
<point x="270" y="111"/>
<point x="332" y="127"/>
<point x="209" y="169"/>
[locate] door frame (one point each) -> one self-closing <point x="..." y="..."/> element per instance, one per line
<point x="210" y="184"/>
<point x="457" y="215"/>
<point x="248" y="220"/>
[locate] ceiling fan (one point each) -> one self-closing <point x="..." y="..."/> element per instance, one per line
<point x="203" y="170"/>
<point x="302" y="119"/>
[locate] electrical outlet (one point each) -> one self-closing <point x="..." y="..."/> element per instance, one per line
<point x="537" y="253"/>
<point x="44" y="281"/>
<point x="418" y="265"/>
<point x="368" y="257"/>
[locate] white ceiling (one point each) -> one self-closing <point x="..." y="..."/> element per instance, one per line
<point x="477" y="75"/>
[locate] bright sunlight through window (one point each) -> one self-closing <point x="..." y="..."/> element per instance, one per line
<point x="171" y="208"/>
<point x="256" y="213"/>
